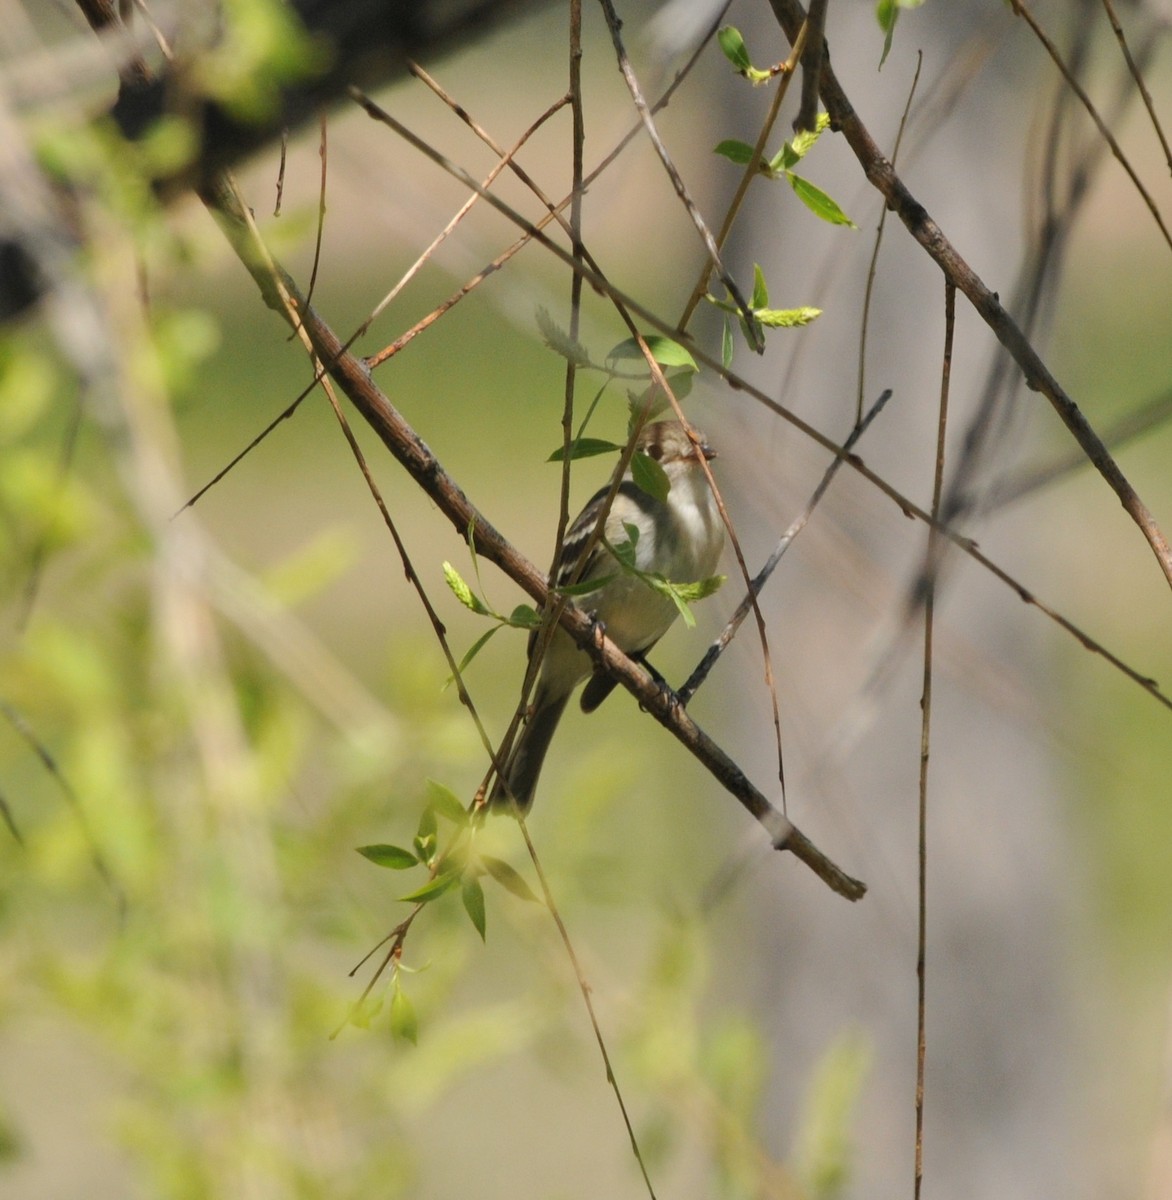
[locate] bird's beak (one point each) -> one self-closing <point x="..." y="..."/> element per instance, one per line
<point x="707" y="451"/>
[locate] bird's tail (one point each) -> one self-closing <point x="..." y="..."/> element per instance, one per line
<point x="524" y="765"/>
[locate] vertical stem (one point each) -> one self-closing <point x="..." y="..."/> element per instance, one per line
<point x="930" y="568"/>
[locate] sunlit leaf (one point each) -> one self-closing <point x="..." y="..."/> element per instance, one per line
<point x="649" y="476"/>
<point x="787" y="318"/>
<point x="887" y="14"/>
<point x="701" y="589"/>
<point x="804" y="141"/>
<point x="445" y="802"/>
<point x="584" y="448"/>
<point x="384" y="855"/>
<point x="404" y="1023"/>
<point x="665" y="351"/>
<point x="818" y="202"/>
<point x="433" y="888"/>
<point x="733" y="46"/>
<point x="735" y="51"/>
<point x="524" y="616"/>
<point x="760" y="297"/>
<point x="583" y="588"/>
<point x="507" y="877"/>
<point x="473" y="896"/>
<point x="467" y="597"/>
<point x="737" y="152"/>
<point x="471" y="653"/>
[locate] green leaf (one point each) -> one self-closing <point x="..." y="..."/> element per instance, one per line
<point x="733" y="45"/>
<point x="584" y="447"/>
<point x="701" y="589"/>
<point x="560" y="342"/>
<point x="507" y="878"/>
<point x="524" y="616"/>
<point x="886" y="13"/>
<point x="467" y="597"/>
<point x="471" y="653"/>
<point x="649" y="476"/>
<point x="818" y="202"/>
<point x="584" y="587"/>
<point x="726" y="345"/>
<point x="366" y="1012"/>
<point x="734" y="49"/>
<point x="781" y="161"/>
<point x="427" y="824"/>
<point x="683" y="594"/>
<point x="665" y="587"/>
<point x="737" y="152"/>
<point x="652" y="400"/>
<point x="473" y="896"/>
<point x="404" y="1023"/>
<point x="665" y="352"/>
<point x="445" y="802"/>
<point x="433" y="888"/>
<point x="786" y="318"/>
<point x="760" y="297"/>
<point x="384" y="855"/>
<point x="425" y="836"/>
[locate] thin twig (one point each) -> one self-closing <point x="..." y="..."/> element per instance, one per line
<point x="615" y="26"/>
<point x="505" y="160"/>
<point x="842" y="106"/>
<point x="915" y="217"/>
<point x="1022" y="11"/>
<point x="752" y="169"/>
<point x="1137" y="75"/>
<point x="864" y="324"/>
<point x="49" y="762"/>
<point x="585" y="992"/>
<point x="718" y="647"/>
<point x="812" y="52"/>
<point x="926" y="740"/>
<point x="1024" y="482"/>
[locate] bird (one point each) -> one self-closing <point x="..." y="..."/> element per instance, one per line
<point x="679" y="537"/>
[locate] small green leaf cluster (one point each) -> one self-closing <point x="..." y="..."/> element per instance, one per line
<point x="682" y="595"/>
<point x="737" y="53"/>
<point x="451" y="863"/>
<point x="624" y="361"/>
<point x="523" y="616"/>
<point x="763" y="316"/>
<point x="781" y="165"/>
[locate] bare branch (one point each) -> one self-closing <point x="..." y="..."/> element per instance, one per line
<point x="881" y="174"/>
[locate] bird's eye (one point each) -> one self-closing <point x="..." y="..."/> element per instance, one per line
<point x="655" y="451"/>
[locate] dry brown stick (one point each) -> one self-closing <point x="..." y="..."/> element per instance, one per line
<point x="615" y="26"/>
<point x="1137" y="75"/>
<point x="409" y="450"/>
<point x="930" y="577"/>
<point x="1106" y="134"/>
<point x="881" y="174"/>
<point x="812" y="52"/>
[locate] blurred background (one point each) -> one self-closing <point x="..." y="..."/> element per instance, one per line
<point x="204" y="714"/>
